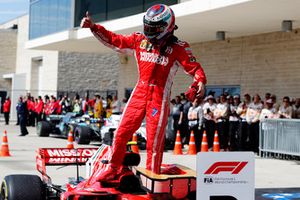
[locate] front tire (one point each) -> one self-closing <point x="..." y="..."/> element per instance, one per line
<point x="43" y="129"/>
<point x="83" y="135"/>
<point x="22" y="187"/>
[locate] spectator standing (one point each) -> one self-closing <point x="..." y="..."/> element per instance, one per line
<point x="195" y="117"/>
<point x="209" y="121"/>
<point x="243" y="143"/>
<point x="85" y="105"/>
<point x="221" y="115"/>
<point x="268" y="111"/>
<point x="108" y="107"/>
<point x="6" y="109"/>
<point x="98" y="107"/>
<point x="31" y="111"/>
<point x="39" y="109"/>
<point x="234" y="124"/>
<point x="267" y="97"/>
<point x="252" y="117"/>
<point x="276" y="105"/>
<point x="23" y="113"/>
<point x="184" y="125"/>
<point x="116" y="106"/>
<point x="177" y="113"/>
<point x="285" y="110"/>
<point x="296" y="109"/>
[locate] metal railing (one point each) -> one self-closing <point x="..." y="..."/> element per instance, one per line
<point x="279" y="137"/>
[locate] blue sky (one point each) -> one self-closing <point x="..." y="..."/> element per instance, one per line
<point x="10" y="9"/>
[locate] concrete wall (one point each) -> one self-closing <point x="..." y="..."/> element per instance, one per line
<point x="260" y="63"/>
<point x="8" y="45"/>
<point x="40" y="79"/>
<point x="86" y="71"/>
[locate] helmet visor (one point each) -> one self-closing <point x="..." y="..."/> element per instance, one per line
<point x="152" y="30"/>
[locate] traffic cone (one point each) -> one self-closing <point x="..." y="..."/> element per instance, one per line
<point x="204" y="144"/>
<point x="134" y="147"/>
<point x="178" y="145"/>
<point x="216" y="147"/>
<point x="192" y="146"/>
<point x="4" y="147"/>
<point x="70" y="140"/>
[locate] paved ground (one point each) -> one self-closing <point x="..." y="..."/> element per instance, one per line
<point x="270" y="173"/>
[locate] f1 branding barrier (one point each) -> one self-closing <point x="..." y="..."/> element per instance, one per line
<point x="225" y="176"/>
<point x="279" y="136"/>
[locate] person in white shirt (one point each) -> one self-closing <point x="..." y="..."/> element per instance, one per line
<point x="221" y="115"/>
<point x="195" y="121"/>
<point x="116" y="106"/>
<point x="296" y="109"/>
<point x="285" y="110"/>
<point x="252" y="118"/>
<point x="268" y="112"/>
<point x="234" y="122"/>
<point x="243" y="129"/>
<point x="208" y="111"/>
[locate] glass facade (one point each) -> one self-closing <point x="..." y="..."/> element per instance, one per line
<point x="51" y="16"/>
<point x="102" y="10"/>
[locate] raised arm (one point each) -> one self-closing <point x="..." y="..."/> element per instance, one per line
<point x="117" y="42"/>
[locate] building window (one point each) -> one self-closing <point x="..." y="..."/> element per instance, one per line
<point x="49" y="16"/>
<point x="218" y="90"/>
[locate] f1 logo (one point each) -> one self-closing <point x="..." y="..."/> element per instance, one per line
<point x="233" y="167"/>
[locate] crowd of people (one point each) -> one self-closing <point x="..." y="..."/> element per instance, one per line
<point x="31" y="110"/>
<point x="236" y="120"/>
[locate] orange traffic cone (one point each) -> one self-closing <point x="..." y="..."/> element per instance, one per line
<point x="204" y="144"/>
<point x="4" y="147"/>
<point x="178" y="145"/>
<point x="70" y="140"/>
<point x="216" y="147"/>
<point x="134" y="147"/>
<point x="192" y="146"/>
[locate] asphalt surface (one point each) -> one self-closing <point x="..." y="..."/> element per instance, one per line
<point x="273" y="178"/>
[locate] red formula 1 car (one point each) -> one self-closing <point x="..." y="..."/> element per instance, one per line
<point x="133" y="183"/>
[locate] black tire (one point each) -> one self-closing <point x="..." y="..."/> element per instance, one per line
<point x="22" y="187"/>
<point x="108" y="138"/>
<point x="82" y="135"/>
<point x="130" y="184"/>
<point x="43" y="129"/>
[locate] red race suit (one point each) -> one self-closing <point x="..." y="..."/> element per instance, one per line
<point x="151" y="94"/>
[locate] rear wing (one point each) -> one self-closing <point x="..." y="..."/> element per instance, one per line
<point x="61" y="156"/>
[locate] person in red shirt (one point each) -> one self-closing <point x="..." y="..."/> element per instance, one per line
<point x="159" y="54"/>
<point x="31" y="111"/>
<point x="39" y="109"/>
<point x="46" y="110"/>
<point x="6" y="109"/>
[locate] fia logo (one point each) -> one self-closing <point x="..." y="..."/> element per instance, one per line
<point x="208" y="180"/>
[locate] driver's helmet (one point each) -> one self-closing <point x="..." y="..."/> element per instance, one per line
<point x="159" y="22"/>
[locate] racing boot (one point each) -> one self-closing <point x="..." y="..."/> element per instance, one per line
<point x="108" y="174"/>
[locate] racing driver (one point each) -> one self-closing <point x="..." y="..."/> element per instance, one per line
<point x="159" y="54"/>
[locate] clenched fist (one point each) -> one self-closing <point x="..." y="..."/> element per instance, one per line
<point x="87" y="21"/>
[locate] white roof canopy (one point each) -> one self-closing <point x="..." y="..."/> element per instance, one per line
<point x="198" y="21"/>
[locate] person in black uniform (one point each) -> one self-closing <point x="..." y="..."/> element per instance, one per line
<point x="22" y="115"/>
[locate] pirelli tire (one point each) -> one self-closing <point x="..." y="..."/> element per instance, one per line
<point x="22" y="187"/>
<point x="43" y="129"/>
<point x="83" y="135"/>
